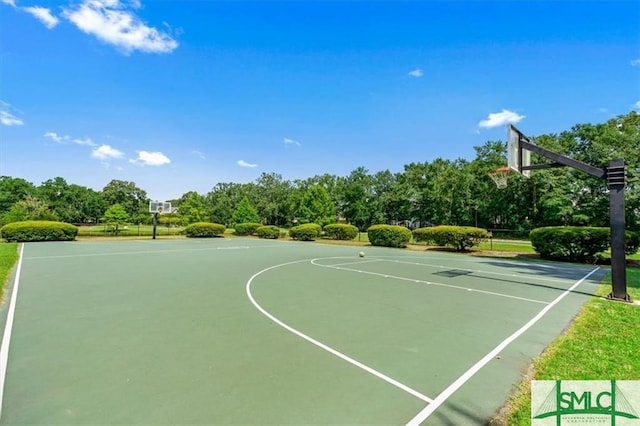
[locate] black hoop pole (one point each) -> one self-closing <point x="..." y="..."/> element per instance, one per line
<point x="616" y="182"/>
<point x="155" y="223"/>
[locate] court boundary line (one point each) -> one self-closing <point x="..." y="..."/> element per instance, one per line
<point x="357" y="262"/>
<point x="457" y="384"/>
<point x="414" y="280"/>
<point x="6" y="337"/>
<point x="323" y="346"/>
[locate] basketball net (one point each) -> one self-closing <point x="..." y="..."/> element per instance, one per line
<point x="499" y="176"/>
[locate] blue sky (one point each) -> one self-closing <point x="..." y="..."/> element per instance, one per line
<point x="181" y="95"/>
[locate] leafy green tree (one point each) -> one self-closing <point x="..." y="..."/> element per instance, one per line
<point x="222" y="200"/>
<point x="355" y="193"/>
<point x="115" y="216"/>
<point x="192" y="208"/>
<point x="273" y="198"/>
<point x="133" y="199"/>
<point x="54" y="192"/>
<point x="245" y="212"/>
<point x="316" y="207"/>
<point x="30" y="208"/>
<point x="88" y="203"/>
<point x="13" y="190"/>
<point x="72" y="203"/>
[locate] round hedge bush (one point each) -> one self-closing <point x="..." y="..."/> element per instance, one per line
<point x="38" y="230"/>
<point x="577" y="243"/>
<point x="270" y="232"/>
<point x="248" y="228"/>
<point x="204" y="230"/>
<point x="462" y="238"/>
<point x="340" y="231"/>
<point x="305" y="232"/>
<point x="389" y="235"/>
<point x="631" y="242"/>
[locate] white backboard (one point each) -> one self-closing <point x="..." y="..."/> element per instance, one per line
<point x="515" y="161"/>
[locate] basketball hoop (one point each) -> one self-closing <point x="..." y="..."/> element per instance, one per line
<point x="499" y="176"/>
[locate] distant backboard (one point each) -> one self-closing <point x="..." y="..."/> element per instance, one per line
<point x="517" y="158"/>
<point x="160" y="207"/>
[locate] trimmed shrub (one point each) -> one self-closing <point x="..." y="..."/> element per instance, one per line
<point x="389" y="235"/>
<point x="38" y="230"/>
<point x="462" y="238"/>
<point x="268" y="231"/>
<point x="577" y="243"/>
<point x="340" y="231"/>
<point x="248" y="228"/>
<point x="204" y="230"/>
<point x="570" y="242"/>
<point x="631" y="242"/>
<point x="305" y="232"/>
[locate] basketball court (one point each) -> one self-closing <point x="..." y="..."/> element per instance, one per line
<point x="248" y="331"/>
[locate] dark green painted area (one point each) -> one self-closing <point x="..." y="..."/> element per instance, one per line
<point x="162" y="332"/>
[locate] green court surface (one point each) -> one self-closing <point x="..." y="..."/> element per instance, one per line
<point x="247" y="331"/>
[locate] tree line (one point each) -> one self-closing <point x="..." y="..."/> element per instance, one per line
<point x="443" y="191"/>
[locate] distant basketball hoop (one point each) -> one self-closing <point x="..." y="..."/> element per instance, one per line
<point x="160" y="207"/>
<point x="500" y="176"/>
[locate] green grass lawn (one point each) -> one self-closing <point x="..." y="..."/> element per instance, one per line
<point x="516" y="246"/>
<point x="126" y="231"/>
<point x="8" y="257"/>
<point x="601" y="344"/>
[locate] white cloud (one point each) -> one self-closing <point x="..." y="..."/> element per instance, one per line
<point x="243" y="163"/>
<point x="66" y="138"/>
<point x="9" y="2"/>
<point x="112" y="22"/>
<point x="9" y="119"/>
<point x="288" y="141"/>
<point x="416" y="73"/>
<point x="497" y="119"/>
<point x="635" y="62"/>
<point x="637" y="105"/>
<point x="43" y="15"/>
<point x="55" y="137"/>
<point x="86" y="142"/>
<point x="146" y="158"/>
<point x="199" y="154"/>
<point x="106" y="151"/>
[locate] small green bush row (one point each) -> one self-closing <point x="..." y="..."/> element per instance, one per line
<point x="389" y="235"/>
<point x="577" y="243"/>
<point x="38" y="230"/>
<point x="461" y="238"/>
<point x="340" y="231"/>
<point x="268" y="231"/>
<point x="248" y="228"/>
<point x="305" y="232"/>
<point x="204" y="230"/>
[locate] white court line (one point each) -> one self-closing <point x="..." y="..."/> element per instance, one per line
<point x="357" y="262"/>
<point x="528" y="277"/>
<point x="6" y="337"/>
<point x="322" y="345"/>
<point x="444" y="395"/>
<point x="508" y="296"/>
